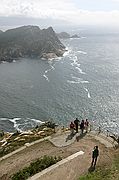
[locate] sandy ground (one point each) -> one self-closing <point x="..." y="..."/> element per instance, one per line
<point x="18" y="161"/>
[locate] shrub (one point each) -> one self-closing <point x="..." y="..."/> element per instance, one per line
<point x="35" y="167"/>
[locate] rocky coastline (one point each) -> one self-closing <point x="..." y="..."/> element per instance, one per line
<point x="29" y="42"/>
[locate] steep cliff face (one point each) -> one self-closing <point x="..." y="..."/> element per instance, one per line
<point x="29" y="41"/>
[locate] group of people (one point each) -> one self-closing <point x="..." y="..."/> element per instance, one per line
<point x="76" y="124"/>
<point x="84" y="125"/>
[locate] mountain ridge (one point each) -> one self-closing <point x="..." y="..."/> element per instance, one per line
<point x="29" y="41"/>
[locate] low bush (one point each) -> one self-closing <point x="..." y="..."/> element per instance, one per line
<point x="35" y="167"/>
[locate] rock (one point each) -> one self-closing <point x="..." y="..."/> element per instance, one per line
<point x="75" y="36"/>
<point x="1" y="133"/>
<point x="49" y="55"/>
<point x="26" y="133"/>
<point x="16" y="138"/>
<point x="29" y="41"/>
<point x="63" y="35"/>
<point x="40" y="132"/>
<point x="4" y="144"/>
<point x="45" y="129"/>
<point x="27" y="144"/>
<point x="3" y="140"/>
<point x="21" y="140"/>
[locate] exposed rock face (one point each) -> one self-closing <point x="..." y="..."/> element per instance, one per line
<point x="65" y="35"/>
<point x="29" y="41"/>
<point x="75" y="36"/>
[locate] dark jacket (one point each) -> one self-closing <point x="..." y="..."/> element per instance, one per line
<point x="95" y="153"/>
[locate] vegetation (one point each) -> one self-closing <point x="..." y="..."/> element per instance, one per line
<point x="18" y="140"/>
<point x="35" y="167"/>
<point x="108" y="172"/>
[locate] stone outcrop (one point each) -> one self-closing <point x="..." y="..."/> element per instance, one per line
<point x="65" y="35"/>
<point x="75" y="36"/>
<point x="29" y="41"/>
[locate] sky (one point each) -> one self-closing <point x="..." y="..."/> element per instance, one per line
<point x="59" y="12"/>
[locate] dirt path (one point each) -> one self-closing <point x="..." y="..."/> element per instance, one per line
<point x="25" y="157"/>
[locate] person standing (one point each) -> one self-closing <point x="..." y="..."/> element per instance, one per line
<point x="82" y="126"/>
<point x="86" y="125"/>
<point x="72" y="128"/>
<point x="95" y="154"/>
<point x="76" y="122"/>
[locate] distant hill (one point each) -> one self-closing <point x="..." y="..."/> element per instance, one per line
<point x="65" y="35"/>
<point x="29" y="41"/>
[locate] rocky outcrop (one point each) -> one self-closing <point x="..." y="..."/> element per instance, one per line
<point x="29" y="41"/>
<point x="65" y="35"/>
<point x="74" y="36"/>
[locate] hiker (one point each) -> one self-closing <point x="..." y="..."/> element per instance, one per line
<point x="86" y="125"/>
<point x="95" y="154"/>
<point x="76" y="122"/>
<point x="72" y="128"/>
<point x="82" y="126"/>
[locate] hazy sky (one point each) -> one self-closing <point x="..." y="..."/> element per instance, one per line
<point x="70" y="12"/>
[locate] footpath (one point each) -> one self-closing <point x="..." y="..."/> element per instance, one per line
<point x="75" y="152"/>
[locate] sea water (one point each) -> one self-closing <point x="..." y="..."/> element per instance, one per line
<point x="84" y="83"/>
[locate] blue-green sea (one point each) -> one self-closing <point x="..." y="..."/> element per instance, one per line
<point x="84" y="83"/>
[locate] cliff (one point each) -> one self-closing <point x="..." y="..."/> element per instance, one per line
<point x="29" y="41"/>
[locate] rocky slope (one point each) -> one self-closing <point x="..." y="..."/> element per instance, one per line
<point x="65" y="35"/>
<point x="29" y="41"/>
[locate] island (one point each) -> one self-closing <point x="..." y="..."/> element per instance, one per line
<point x="65" y="35"/>
<point x="29" y="42"/>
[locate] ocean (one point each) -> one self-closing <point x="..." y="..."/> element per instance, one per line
<point x="84" y="83"/>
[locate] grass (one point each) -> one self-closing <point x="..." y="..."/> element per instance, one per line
<point x="108" y="172"/>
<point x="35" y="167"/>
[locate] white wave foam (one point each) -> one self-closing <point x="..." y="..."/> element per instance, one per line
<point x="82" y="52"/>
<point x="73" y="82"/>
<point x="38" y="121"/>
<point x="22" y="124"/>
<point x="4" y="62"/>
<point x="84" y="82"/>
<point x="74" y="59"/>
<point x="80" y="70"/>
<point x="52" y="67"/>
<point x="87" y="92"/>
<point x="76" y="64"/>
<point x="45" y="77"/>
<point x="16" y="125"/>
<point x="67" y="52"/>
<point x="3" y="119"/>
<point x="48" y="70"/>
<point x="76" y="80"/>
